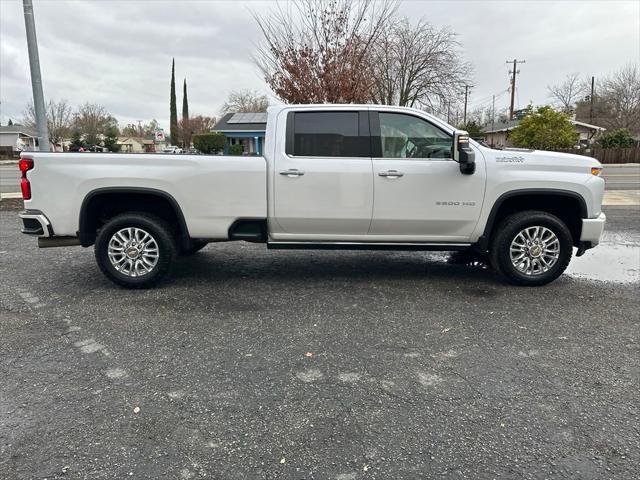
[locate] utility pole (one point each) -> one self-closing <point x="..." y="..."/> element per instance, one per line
<point x="36" y="79"/>
<point x="449" y="112"/>
<point x="593" y="80"/>
<point x="513" y="82"/>
<point x="493" y="116"/>
<point x="466" y="95"/>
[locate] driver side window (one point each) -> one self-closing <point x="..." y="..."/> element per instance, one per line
<point x="406" y="136"/>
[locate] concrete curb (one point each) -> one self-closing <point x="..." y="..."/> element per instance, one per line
<point x="10" y="195"/>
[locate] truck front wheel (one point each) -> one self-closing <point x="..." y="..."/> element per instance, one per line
<point x="135" y="250"/>
<point x="531" y="248"/>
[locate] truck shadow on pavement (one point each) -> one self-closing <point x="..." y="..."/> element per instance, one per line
<point x="209" y="266"/>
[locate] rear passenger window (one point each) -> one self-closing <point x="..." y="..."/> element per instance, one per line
<point x="329" y="134"/>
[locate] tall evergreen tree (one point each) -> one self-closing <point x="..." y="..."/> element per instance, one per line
<point x="186" y="130"/>
<point x="173" y="120"/>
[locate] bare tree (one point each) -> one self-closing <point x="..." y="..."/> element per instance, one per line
<point x="316" y="51"/>
<point x="418" y="65"/>
<point x="201" y="124"/>
<point x="621" y="94"/>
<point x="93" y="120"/>
<point x="58" y="120"/>
<point x="567" y="93"/>
<point x="140" y="130"/>
<point x="245" y="101"/>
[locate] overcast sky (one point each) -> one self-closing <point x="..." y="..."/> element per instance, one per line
<point x="118" y="52"/>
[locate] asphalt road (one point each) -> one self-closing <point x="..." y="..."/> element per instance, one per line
<point x="9" y="178"/>
<point x="315" y="365"/>
<point x="618" y="178"/>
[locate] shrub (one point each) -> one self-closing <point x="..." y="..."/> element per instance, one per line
<point x="209" y="142"/>
<point x="544" y="129"/>
<point x="620" y="138"/>
<point x="236" y="149"/>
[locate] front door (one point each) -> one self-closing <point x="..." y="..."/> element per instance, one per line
<point x="323" y="181"/>
<point x="420" y="193"/>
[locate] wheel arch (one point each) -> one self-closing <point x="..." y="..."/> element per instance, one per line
<point x="563" y="203"/>
<point x="149" y="200"/>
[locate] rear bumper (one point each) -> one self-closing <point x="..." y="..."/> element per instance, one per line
<point x="592" y="229"/>
<point x="34" y="222"/>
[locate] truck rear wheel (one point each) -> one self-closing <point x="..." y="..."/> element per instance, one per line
<point x="531" y="248"/>
<point x="135" y="250"/>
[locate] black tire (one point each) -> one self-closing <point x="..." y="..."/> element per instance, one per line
<point x="508" y="230"/>
<point x="157" y="229"/>
<point x="194" y="247"/>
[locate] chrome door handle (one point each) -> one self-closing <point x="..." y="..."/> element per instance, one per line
<point x="292" y="172"/>
<point x="391" y="174"/>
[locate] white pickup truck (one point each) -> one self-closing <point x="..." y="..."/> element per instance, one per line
<point x="332" y="176"/>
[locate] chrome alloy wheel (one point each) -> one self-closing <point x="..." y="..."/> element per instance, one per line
<point x="133" y="252"/>
<point x="535" y="250"/>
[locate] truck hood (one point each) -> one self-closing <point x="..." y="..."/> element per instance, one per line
<point x="542" y="158"/>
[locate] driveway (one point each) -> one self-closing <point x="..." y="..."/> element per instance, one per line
<point x="319" y="365"/>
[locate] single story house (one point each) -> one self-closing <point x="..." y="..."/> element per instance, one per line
<point x="246" y="129"/>
<point x="136" y="145"/>
<point x="499" y="135"/>
<point x="18" y="137"/>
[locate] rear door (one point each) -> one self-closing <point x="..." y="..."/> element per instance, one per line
<point x="323" y="180"/>
<point x="419" y="190"/>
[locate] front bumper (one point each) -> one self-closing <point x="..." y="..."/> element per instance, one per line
<point x="592" y="229"/>
<point x="34" y="222"/>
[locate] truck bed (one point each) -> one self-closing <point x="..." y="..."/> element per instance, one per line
<point x="212" y="191"/>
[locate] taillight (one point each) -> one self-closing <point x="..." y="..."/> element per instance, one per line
<point x="25" y="164"/>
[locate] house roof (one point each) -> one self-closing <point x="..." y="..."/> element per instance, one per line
<point x="241" y="122"/>
<point x="20" y="129"/>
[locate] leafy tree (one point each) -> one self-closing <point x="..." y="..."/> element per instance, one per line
<point x="620" y="138"/>
<point x="111" y="140"/>
<point x="236" y="149"/>
<point x="76" y="141"/>
<point x="184" y="126"/>
<point x="209" y="142"/>
<point x="474" y="129"/>
<point x="544" y="129"/>
<point x="173" y="112"/>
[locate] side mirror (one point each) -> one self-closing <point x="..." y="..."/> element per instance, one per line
<point x="463" y="153"/>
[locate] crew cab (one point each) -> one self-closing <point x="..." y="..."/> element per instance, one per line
<point x="333" y="177"/>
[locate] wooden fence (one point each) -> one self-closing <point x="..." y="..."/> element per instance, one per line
<point x="610" y="155"/>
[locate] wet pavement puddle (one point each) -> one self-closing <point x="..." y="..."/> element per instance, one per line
<point x="608" y="262"/>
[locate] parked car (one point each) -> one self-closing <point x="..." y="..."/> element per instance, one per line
<point x="332" y="177"/>
<point x="172" y="149"/>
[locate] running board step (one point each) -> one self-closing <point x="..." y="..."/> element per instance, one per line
<point x="367" y="246"/>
